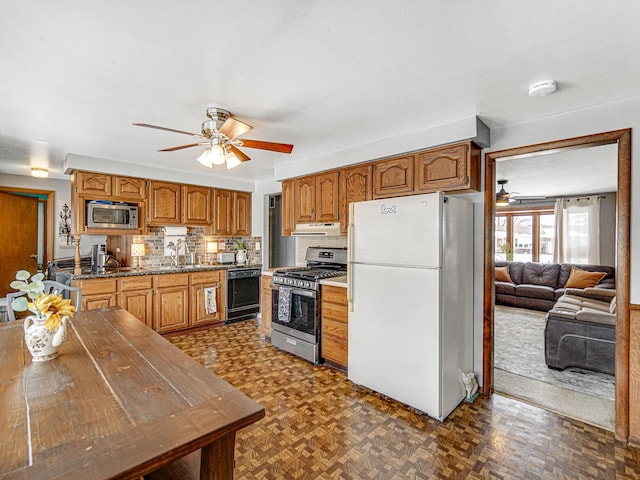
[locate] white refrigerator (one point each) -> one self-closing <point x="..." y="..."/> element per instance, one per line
<point x="410" y="275"/>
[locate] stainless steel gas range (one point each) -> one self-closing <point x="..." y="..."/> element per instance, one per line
<point x="295" y="322"/>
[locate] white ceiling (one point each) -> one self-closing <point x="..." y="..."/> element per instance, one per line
<point x="323" y="75"/>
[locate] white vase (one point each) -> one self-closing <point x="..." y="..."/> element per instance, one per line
<point x="42" y="343"/>
<point x="241" y="256"/>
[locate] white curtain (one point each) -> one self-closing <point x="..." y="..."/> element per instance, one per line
<point x="577" y="230"/>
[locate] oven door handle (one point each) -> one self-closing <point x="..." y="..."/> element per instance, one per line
<point x="303" y="293"/>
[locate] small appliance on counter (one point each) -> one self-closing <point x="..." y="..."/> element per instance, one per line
<point x="225" y="257"/>
<point x="98" y="258"/>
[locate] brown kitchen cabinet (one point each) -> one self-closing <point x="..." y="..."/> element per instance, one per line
<point x="165" y="203"/>
<point x="89" y="183"/>
<point x="130" y="188"/>
<point x="97" y="293"/>
<point x="200" y="282"/>
<point x="102" y="186"/>
<point x="304" y="194"/>
<point x="327" y="200"/>
<point x="288" y="217"/>
<point x="335" y="329"/>
<point x="196" y="205"/>
<point x="454" y="168"/>
<point x="171" y="302"/>
<point x="231" y="212"/>
<point x="393" y="177"/>
<point x="356" y="185"/>
<point x="265" y="308"/>
<point x="136" y="296"/>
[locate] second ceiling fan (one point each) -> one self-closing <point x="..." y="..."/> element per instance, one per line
<point x="220" y="134"/>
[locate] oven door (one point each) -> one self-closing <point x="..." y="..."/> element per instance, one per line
<point x="300" y="317"/>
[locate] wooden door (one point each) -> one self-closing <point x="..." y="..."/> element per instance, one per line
<point x="288" y="211"/>
<point x="242" y="213"/>
<point x="171" y="309"/>
<point x="448" y="169"/>
<point x="130" y="188"/>
<point x="356" y="185"/>
<point x="18" y="237"/>
<point x="393" y="177"/>
<point x="89" y="183"/>
<point x="265" y="308"/>
<point x="197" y="205"/>
<point x="222" y="212"/>
<point x="305" y="203"/>
<point x="164" y="203"/>
<point x="327" y="204"/>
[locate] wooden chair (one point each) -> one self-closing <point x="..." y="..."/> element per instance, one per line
<point x="50" y="286"/>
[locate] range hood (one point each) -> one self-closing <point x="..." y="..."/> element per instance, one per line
<point x="316" y="229"/>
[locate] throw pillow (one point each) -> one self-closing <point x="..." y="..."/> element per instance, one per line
<point x="502" y="274"/>
<point x="612" y="307"/>
<point x="582" y="279"/>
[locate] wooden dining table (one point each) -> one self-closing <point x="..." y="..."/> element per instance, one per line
<point x="119" y="402"/>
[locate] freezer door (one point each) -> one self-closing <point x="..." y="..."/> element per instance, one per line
<point x="398" y="231"/>
<point x="394" y="332"/>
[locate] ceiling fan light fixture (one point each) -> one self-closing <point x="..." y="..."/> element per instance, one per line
<point x="217" y="155"/>
<point x="205" y="158"/>
<point x="232" y="160"/>
<point x="502" y="197"/>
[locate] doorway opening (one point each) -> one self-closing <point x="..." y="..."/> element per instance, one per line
<point x="623" y="140"/>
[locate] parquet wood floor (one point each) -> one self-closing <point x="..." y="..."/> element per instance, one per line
<point x="320" y="426"/>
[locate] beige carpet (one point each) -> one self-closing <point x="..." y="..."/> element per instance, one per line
<point x="520" y="372"/>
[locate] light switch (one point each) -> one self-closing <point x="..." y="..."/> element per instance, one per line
<point x="221" y="246"/>
<point x="258" y="246"/>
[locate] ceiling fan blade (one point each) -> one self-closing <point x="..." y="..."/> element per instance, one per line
<point x="274" y="147"/>
<point x="239" y="155"/>
<point x="166" y="129"/>
<point x="233" y="128"/>
<point x="180" y="147"/>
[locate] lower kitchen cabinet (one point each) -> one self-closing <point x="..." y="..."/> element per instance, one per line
<point x="171" y="302"/>
<point x="97" y="293"/>
<point x="265" y="308"/>
<point x="335" y="330"/>
<point x="136" y="297"/>
<point x="207" y="297"/>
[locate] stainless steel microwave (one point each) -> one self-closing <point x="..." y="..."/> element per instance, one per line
<point x="116" y="216"/>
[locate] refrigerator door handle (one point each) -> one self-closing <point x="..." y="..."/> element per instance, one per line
<point x="350" y="258"/>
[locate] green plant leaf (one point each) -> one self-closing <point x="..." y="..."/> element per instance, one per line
<point x="20" y="304"/>
<point x="18" y="285"/>
<point x="22" y="275"/>
<point x="38" y="277"/>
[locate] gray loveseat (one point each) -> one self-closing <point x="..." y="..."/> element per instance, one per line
<point x="538" y="286"/>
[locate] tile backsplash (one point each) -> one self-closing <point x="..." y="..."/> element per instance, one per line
<point x="302" y="243"/>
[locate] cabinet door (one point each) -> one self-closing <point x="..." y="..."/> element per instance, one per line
<point x="222" y="212"/>
<point x="288" y="211"/>
<point x="171" y="309"/>
<point x="393" y="177"/>
<point x="93" y="184"/>
<point x="140" y="304"/>
<point x="197" y="205"/>
<point x="242" y="213"/>
<point x="305" y="203"/>
<point x="327" y="204"/>
<point x="164" y="203"/>
<point x="452" y="168"/>
<point x="356" y="185"/>
<point x="199" y="304"/>
<point x="335" y="333"/>
<point x="127" y="187"/>
<point x="265" y="308"/>
<point x="91" y="302"/>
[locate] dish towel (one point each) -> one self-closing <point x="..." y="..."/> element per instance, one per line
<point x="284" y="304"/>
<point x="210" y="302"/>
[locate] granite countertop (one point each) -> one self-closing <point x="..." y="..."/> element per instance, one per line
<point x="131" y="272"/>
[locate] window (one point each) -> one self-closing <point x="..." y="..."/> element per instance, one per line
<point x="525" y="234"/>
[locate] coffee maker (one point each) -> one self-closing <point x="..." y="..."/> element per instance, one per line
<point x="98" y="258"/>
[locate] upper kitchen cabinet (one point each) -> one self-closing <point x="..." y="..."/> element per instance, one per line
<point x="196" y="203"/>
<point x="455" y="168"/>
<point x="327" y="202"/>
<point x="305" y="199"/>
<point x="101" y="186"/>
<point x="175" y="204"/>
<point x="288" y="220"/>
<point x="393" y="177"/>
<point x="231" y="212"/>
<point x="356" y="185"/>
<point x="165" y="203"/>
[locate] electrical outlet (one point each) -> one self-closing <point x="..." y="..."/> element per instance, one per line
<point x="258" y="246"/>
<point x="222" y="246"/>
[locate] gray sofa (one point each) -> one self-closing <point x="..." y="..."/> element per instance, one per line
<point x="538" y="286"/>
<point x="580" y="331"/>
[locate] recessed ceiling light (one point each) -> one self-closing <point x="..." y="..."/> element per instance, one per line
<point x="541" y="89"/>
<point x="39" y="172"/>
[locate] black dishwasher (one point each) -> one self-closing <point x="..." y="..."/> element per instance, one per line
<point x="243" y="293"/>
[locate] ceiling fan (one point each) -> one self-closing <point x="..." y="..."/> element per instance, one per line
<point x="502" y="197"/>
<point x="220" y="134"/>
